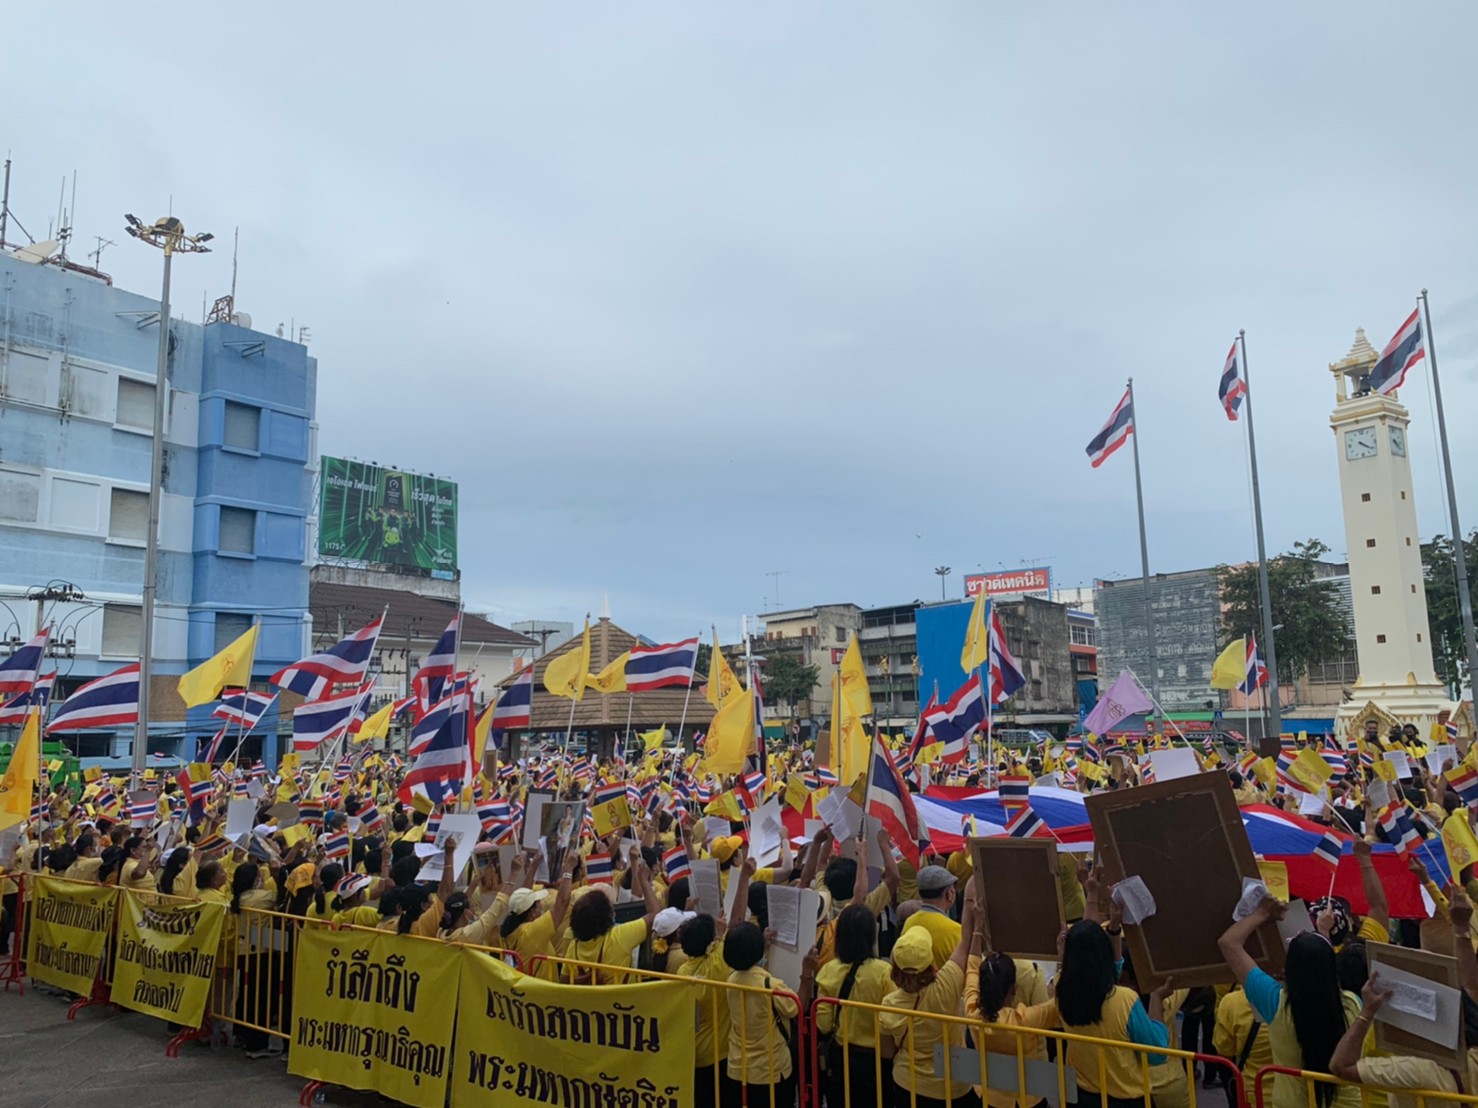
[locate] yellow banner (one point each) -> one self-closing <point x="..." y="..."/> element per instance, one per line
<point x="69" y="928"/>
<point x="1275" y="877"/>
<point x="167" y="957"/>
<point x="612" y="816"/>
<point x="521" y="1040"/>
<point x="374" y="1012"/>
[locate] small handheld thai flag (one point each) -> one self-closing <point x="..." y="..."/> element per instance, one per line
<point x="372" y="821"/>
<point x="598" y="869"/>
<point x="675" y="864"/>
<point x="1464" y="782"/>
<point x="213" y="842"/>
<point x="1024" y="824"/>
<point x="1451" y="729"/>
<point x="433" y="827"/>
<point x="1396" y="828"/>
<point x="754" y="784"/>
<point x="143" y="813"/>
<point x="1015" y="790"/>
<point x="1328" y="849"/>
<point x="336" y="846"/>
<point x="310" y="812"/>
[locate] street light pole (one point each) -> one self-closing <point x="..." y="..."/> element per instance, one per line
<point x="168" y="234"/>
<point x="944" y="572"/>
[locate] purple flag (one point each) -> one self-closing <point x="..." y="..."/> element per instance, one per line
<point x="1124" y="699"/>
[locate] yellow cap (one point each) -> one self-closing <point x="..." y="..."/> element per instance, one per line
<point x="914" y="950"/>
<point x="723" y="849"/>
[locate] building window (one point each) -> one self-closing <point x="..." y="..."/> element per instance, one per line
<point x="230" y="626"/>
<point x="1418" y="636"/>
<point x="243" y="429"/>
<point x="135" y="404"/>
<point x="1403" y="494"/>
<point x="1369" y="542"/>
<point x="238" y="531"/>
<point x="20" y="496"/>
<point x="1413" y="588"/>
<point x="841" y="634"/>
<point x="128" y="516"/>
<point x="1408" y="540"/>
<point x="1365" y="498"/>
<point x="1374" y="590"/>
<point x="123" y="626"/>
<point x="1380" y="638"/>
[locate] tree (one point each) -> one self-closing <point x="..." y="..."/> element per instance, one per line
<point x="1443" y="616"/>
<point x="1312" y="628"/>
<point x="786" y="678"/>
<point x="702" y="661"/>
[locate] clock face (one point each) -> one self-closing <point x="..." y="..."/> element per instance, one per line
<point x="1360" y="443"/>
<point x="1398" y="442"/>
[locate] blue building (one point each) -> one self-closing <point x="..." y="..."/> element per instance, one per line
<point x="77" y="377"/>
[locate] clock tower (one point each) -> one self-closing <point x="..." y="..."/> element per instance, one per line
<point x="1393" y="639"/>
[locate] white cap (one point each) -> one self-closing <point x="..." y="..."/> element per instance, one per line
<point x="669" y="920"/>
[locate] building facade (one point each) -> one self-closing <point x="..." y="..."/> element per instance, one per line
<point x="78" y="362"/>
<point x="818" y="636"/>
<point x="1186" y="609"/>
<point x="890" y="653"/>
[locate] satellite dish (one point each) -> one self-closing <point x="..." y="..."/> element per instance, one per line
<point x="241" y="319"/>
<point x="38" y="252"/>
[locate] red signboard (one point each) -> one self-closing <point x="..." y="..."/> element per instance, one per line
<point x="1012" y="582"/>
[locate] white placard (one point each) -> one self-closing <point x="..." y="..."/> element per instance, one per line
<point x="1177" y="762"/>
<point x="784" y="903"/>
<point x="705" y="887"/>
<point x="532" y="810"/>
<point x="241" y="816"/>
<point x="1418" y="996"/>
<point x="1311" y="804"/>
<point x="715" y="827"/>
<point x="1295" y="921"/>
<point x="1134" y="898"/>
<point x="784" y="961"/>
<point x="765" y="833"/>
<point x="1378" y="792"/>
<point x="1398" y="759"/>
<point x="1439" y="756"/>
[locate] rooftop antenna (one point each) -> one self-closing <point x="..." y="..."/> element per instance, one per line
<point x="5" y="203"/>
<point x="97" y="255"/>
<point x="235" y="245"/>
<point x="777" y="574"/>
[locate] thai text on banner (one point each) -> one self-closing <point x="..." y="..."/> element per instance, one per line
<point x="166" y="957"/>
<point x="69" y="929"/>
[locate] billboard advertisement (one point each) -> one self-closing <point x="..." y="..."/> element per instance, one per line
<point x="383" y="516"/>
<point x="1012" y="582"/>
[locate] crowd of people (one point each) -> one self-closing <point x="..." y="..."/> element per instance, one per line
<point x="895" y="943"/>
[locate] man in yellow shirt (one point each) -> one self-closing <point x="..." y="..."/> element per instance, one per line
<point x="936" y="896"/>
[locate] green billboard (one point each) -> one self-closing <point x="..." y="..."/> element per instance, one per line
<point x="388" y="517"/>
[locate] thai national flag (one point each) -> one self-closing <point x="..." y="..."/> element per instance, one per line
<point x="144" y="813"/>
<point x="921" y="737"/>
<point x="18" y="672"/>
<point x="440" y="666"/>
<point x="496" y="813"/>
<point x="1464" y="781"/>
<point x="1328" y="849"/>
<point x="1403" y="351"/>
<point x="214" y="746"/>
<point x="1005" y="675"/>
<point x="371" y="821"/>
<point x="891" y="804"/>
<point x="344" y="663"/>
<point x="958" y="719"/>
<point x="1396" y="828"/>
<point x="1257" y="670"/>
<point x="343" y="770"/>
<point x="754" y="784"/>
<point x="310" y="812"/>
<point x="325" y="720"/>
<point x="675" y="864"/>
<point x="1014" y="789"/>
<point x="1449" y="726"/>
<point x="15" y="710"/>
<point x="335" y="847"/>
<point x="598" y="869"/>
<point x="515" y="706"/>
<point x="1024" y="824"/>
<point x="1233" y="387"/>
<point x="658" y="667"/>
<point x="242" y="707"/>
<point x="111" y="701"/>
<point x="1114" y="434"/>
<point x="444" y="759"/>
<point x="606" y="793"/>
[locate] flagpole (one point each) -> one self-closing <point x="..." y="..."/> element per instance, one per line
<point x="1144" y="563"/>
<point x="251" y="662"/>
<point x="687" y="695"/>
<point x="1464" y="593"/>
<point x="626" y="742"/>
<point x="343" y="739"/>
<point x="1275" y="707"/>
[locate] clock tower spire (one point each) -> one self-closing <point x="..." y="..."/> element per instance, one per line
<point x="1392" y="635"/>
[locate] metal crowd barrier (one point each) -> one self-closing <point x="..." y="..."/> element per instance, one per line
<point x="1370" y="1096"/>
<point x="713" y="1001"/>
<point x="1027" y="1080"/>
<point x="13" y="926"/>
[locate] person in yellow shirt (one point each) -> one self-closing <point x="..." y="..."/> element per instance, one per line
<point x="88" y="862"/>
<point x="534" y="923"/>
<point x="920" y="987"/>
<point x="1240" y="1035"/>
<point x="140" y="856"/>
<point x="702" y="943"/>
<point x="936" y="897"/>
<point x="993" y="993"/>
<point x="855" y="974"/>
<point x="759" y="1042"/>
<point x="595" y="936"/>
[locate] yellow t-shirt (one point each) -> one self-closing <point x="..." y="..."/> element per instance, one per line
<point x="872" y="983"/>
<point x="913" y="1064"/>
<point x="712" y="1005"/>
<point x="943" y="932"/>
<point x="1234" y="1020"/>
<point x="84" y="869"/>
<point x="1123" y="1070"/>
<point x="532" y="939"/>
<point x="758" y="1052"/>
<point x="1405" y="1072"/>
<point x="614" y="948"/>
<point x="1074" y="904"/>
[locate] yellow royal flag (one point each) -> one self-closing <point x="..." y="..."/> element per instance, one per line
<point x="1275" y="877"/>
<point x="1266" y="771"/>
<point x="796" y="793"/>
<point x="977" y="638"/>
<point x="1459" y="842"/>
<point x="231" y="666"/>
<point x="1230" y="668"/>
<point x="1385" y="770"/>
<point x="855" y="747"/>
<point x="854" y="681"/>
<point x="566" y="676"/>
<point x="730" y="736"/>
<point x="480" y="732"/>
<point x="376" y="726"/>
<point x="612" y="678"/>
<point x="1311" y="769"/>
<point x="19" y="781"/>
<point x="722" y="681"/>
<point x="653" y="740"/>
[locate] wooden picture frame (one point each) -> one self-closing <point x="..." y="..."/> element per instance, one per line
<point x="1185" y="839"/>
<point x="1439" y="969"/>
<point x="1018" y="886"/>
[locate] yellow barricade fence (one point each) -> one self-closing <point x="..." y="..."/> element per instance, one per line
<point x="1348" y="1094"/>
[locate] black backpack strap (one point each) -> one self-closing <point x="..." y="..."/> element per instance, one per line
<point x="1246" y="1051"/>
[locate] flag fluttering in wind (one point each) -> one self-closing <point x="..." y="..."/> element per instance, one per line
<point x="344" y="663"/>
<point x="110" y="701"/>
<point x="231" y="666"/>
<point x="1403" y="351"/>
<point x="567" y="674"/>
<point x="1114" y="434"/>
<point x="1233" y="386"/>
<point x="1124" y="698"/>
<point x="1230" y="668"/>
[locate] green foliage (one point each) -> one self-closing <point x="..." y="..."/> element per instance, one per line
<point x="1443" y="614"/>
<point x="789" y="681"/>
<point x="1312" y="627"/>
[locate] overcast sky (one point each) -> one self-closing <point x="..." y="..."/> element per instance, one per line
<point x="685" y="293"/>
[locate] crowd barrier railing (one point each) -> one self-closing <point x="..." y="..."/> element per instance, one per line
<point x="1346" y="1092"/>
<point x="766" y="1049"/>
<point x="13" y="928"/>
<point x="1031" y="1074"/>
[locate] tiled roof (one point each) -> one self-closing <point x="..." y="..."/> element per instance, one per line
<point x="423" y="617"/>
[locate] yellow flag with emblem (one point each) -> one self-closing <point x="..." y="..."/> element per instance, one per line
<point x="722" y="682"/>
<point x="730" y="736"/>
<point x="567" y="675"/>
<point x="20" y="776"/>
<point x="231" y="666"/>
<point x="612" y="679"/>
<point x="854" y="682"/>
<point x="653" y="740"/>
<point x="1230" y="668"/>
<point x="1311" y="769"/>
<point x="376" y="726"/>
<point x="1459" y="842"/>
<point x="977" y="638"/>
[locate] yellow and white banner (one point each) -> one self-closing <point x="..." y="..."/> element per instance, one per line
<point x="521" y="1040"/>
<point x="374" y="1011"/>
<point x="167" y="957"/>
<point x="69" y="929"/>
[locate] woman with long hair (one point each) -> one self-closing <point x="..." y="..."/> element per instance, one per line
<point x="856" y="973"/>
<point x="1307" y="1014"/>
<point x="1091" y="1002"/>
<point x="993" y="988"/>
<point x="178" y="876"/>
